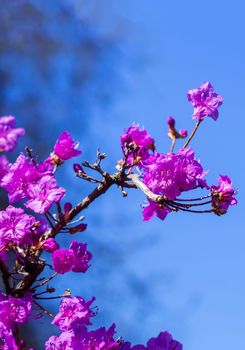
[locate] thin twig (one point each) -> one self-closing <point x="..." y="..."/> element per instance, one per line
<point x="43" y="309"/>
<point x="45" y="281"/>
<point x="193" y="133"/>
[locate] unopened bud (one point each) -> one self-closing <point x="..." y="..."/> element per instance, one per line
<point x="183" y="133"/>
<point x="67" y="207"/>
<point x="78" y="228"/>
<point x="78" y="168"/>
<point x="171" y="122"/>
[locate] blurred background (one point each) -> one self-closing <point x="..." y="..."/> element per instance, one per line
<point x="95" y="67"/>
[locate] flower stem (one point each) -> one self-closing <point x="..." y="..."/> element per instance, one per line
<point x="193" y="133"/>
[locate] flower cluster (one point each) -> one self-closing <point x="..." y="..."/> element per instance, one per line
<point x="15" y="310"/>
<point x="15" y="226"/>
<point x="9" y="134"/>
<point x="35" y="216"/>
<point x="26" y="179"/>
<point x="168" y="175"/>
<point x="205" y="101"/>
<point x="75" y="259"/>
<point x="136" y="145"/>
<point x="74" y="317"/>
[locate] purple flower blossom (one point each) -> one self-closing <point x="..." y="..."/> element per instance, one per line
<point x="36" y="182"/>
<point x="7" y="341"/>
<point x="16" y="310"/>
<point x="63" y="342"/>
<point x="81" y="339"/>
<point x="15" y="226"/>
<point x="155" y="209"/>
<point x="136" y="144"/>
<point x="63" y="260"/>
<point x="9" y="134"/>
<point x="223" y="195"/>
<point x="65" y="147"/>
<point x="81" y="256"/>
<point x="74" y="311"/>
<point x="50" y="245"/>
<point x="170" y="174"/>
<point x="205" y="101"/>
<point x="15" y="182"/>
<point x="164" y="341"/>
<point x="43" y="194"/>
<point x="20" y="175"/>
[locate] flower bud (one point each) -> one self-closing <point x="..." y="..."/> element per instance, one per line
<point x="79" y="228"/>
<point x="67" y="207"/>
<point x="78" y="168"/>
<point x="171" y="122"/>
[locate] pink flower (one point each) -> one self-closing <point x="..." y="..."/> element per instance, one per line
<point x="154" y="209"/>
<point x="63" y="260"/>
<point x="170" y="174"/>
<point x="75" y="259"/>
<point x="65" y="147"/>
<point x="205" y="101"/>
<point x="136" y="144"/>
<point x="7" y="339"/>
<point x="9" y="134"/>
<point x="74" y="311"/>
<point x="81" y="256"/>
<point x="16" y="310"/>
<point x="223" y="195"/>
<point x="164" y="341"/>
<point x="15" y="226"/>
<point x="50" y="245"/>
<point x="43" y="194"/>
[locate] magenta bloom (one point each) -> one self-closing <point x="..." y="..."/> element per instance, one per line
<point x="65" y="147"/>
<point x="74" y="311"/>
<point x="9" y="134"/>
<point x="164" y="341"/>
<point x="63" y="342"/>
<point x="43" y="194"/>
<point x="15" y="182"/>
<point x="63" y="260"/>
<point x="205" y="101"/>
<point x="154" y="209"/>
<point x="137" y="143"/>
<point x="36" y="182"/>
<point x="16" y="310"/>
<point x="7" y="341"/>
<point x="170" y="174"/>
<point x="50" y="245"/>
<point x="81" y="256"/>
<point x="81" y="339"/>
<point x="223" y="195"/>
<point x="15" y="226"/>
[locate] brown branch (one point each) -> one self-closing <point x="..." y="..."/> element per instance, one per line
<point x="108" y="181"/>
